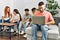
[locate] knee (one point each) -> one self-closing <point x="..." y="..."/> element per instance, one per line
<point x="34" y="26"/>
<point x="44" y="27"/>
<point x="20" y="22"/>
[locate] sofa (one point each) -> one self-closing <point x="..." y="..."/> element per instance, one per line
<point x="53" y="33"/>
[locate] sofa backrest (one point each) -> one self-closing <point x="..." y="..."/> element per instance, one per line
<point x="57" y="20"/>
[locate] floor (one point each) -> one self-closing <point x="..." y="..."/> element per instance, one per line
<point x="6" y="36"/>
<point x="13" y="38"/>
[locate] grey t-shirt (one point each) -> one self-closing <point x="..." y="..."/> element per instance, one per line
<point x="29" y="16"/>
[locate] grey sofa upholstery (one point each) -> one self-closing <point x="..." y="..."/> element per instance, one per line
<point x="53" y="33"/>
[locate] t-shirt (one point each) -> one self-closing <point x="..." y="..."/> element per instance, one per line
<point x="15" y="17"/>
<point x="48" y="16"/>
<point x="29" y="16"/>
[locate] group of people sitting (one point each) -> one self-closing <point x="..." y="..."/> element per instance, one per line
<point x="15" y="17"/>
<point x="26" y="20"/>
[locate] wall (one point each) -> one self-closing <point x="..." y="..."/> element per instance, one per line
<point x="4" y="3"/>
<point x="22" y="4"/>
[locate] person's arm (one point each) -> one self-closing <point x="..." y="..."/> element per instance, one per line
<point x="27" y="20"/>
<point x="22" y="20"/>
<point x="19" y="18"/>
<point x="11" y="17"/>
<point x="51" y="19"/>
<point x="50" y="22"/>
<point x="30" y="24"/>
<point x="2" y="19"/>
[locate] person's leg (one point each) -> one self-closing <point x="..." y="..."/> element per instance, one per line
<point x="8" y="21"/>
<point x="44" y="30"/>
<point x="34" y="31"/>
<point x="25" y="26"/>
<point x="0" y="22"/>
<point x="19" y="27"/>
<point x="12" y="27"/>
<point x="39" y="27"/>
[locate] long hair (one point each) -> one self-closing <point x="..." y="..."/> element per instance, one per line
<point x="6" y="12"/>
<point x="17" y="12"/>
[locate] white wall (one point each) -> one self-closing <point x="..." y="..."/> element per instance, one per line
<point x="18" y="5"/>
<point x="22" y="4"/>
<point x="4" y="3"/>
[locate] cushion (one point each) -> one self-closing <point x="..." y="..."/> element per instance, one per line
<point x="52" y="33"/>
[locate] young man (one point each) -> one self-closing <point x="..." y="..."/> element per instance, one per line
<point x="33" y="10"/>
<point x="27" y="20"/>
<point x="44" y="28"/>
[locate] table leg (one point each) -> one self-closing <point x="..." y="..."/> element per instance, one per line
<point x="10" y="34"/>
<point x="2" y="31"/>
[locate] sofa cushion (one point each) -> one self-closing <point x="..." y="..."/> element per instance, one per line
<point x="29" y="37"/>
<point x="52" y="33"/>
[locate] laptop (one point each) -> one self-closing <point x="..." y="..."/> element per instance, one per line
<point x="38" y="19"/>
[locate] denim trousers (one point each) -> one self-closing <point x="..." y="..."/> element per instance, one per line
<point x="19" y="26"/>
<point x="42" y="28"/>
<point x="0" y="22"/>
<point x="8" y="21"/>
<point x="24" y="28"/>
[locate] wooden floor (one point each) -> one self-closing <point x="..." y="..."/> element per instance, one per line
<point x="12" y="38"/>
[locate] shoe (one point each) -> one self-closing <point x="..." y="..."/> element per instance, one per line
<point x="1" y="30"/>
<point x="16" y="31"/>
<point x="12" y="30"/>
<point x="19" y="33"/>
<point x="22" y="32"/>
<point x="25" y="35"/>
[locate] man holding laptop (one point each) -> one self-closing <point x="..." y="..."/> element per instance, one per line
<point x="43" y="19"/>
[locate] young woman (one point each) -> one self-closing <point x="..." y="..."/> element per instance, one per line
<point x="7" y="14"/>
<point x="16" y="18"/>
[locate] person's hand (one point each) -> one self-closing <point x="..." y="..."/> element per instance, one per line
<point x="27" y="20"/>
<point x="2" y="23"/>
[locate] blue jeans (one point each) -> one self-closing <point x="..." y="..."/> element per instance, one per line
<point x="43" y="28"/>
<point x="19" y="26"/>
<point x="8" y="22"/>
<point x="0" y="22"/>
<point x="25" y="26"/>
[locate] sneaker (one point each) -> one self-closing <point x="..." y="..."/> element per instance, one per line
<point x="12" y="30"/>
<point x="19" y="33"/>
<point x="22" y="32"/>
<point x="16" y="31"/>
<point x="25" y="35"/>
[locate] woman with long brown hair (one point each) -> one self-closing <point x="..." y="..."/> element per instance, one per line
<point x="7" y="14"/>
<point x="7" y="11"/>
<point x="16" y="18"/>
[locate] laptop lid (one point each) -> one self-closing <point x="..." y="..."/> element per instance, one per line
<point x="38" y="19"/>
